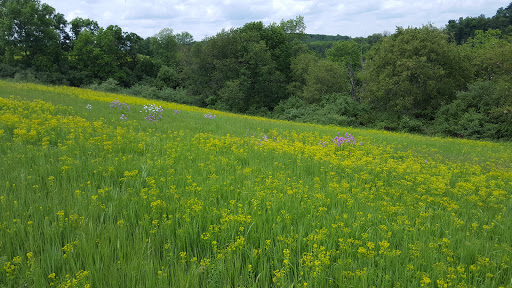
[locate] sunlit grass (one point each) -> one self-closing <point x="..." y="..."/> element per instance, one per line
<point x="98" y="196"/>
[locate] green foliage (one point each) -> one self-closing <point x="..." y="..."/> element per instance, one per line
<point x="167" y="78"/>
<point x="53" y="78"/>
<point x="79" y="24"/>
<point x="324" y="78"/>
<point x="164" y="47"/>
<point x="145" y="91"/>
<point x="345" y="53"/>
<point x="31" y="31"/>
<point x="320" y="47"/>
<point x="484" y="111"/>
<point x="294" y="26"/>
<point x="110" y="85"/>
<point x="180" y="95"/>
<point x="316" y="38"/>
<point x="490" y="54"/>
<point x="410" y="125"/>
<point x="77" y="78"/>
<point x="232" y="97"/>
<point x="292" y="109"/>
<point x="109" y="53"/>
<point x="414" y="72"/>
<point x="7" y="71"/>
<point x="146" y="68"/>
<point x="251" y="62"/>
<point x="342" y="109"/>
<point x="349" y="55"/>
<point x="464" y="29"/>
<point x="185" y="38"/>
<point x="337" y="109"/>
<point x="27" y="76"/>
<point x="300" y="66"/>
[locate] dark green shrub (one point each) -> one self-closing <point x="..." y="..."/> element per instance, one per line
<point x="290" y="109"/>
<point x="483" y="111"/>
<point x="337" y="109"/>
<point x="53" y="78"/>
<point x="77" y="78"/>
<point x="388" y="125"/>
<point x="410" y="125"/>
<point x="474" y="125"/>
<point x="145" y="91"/>
<point x="167" y="78"/>
<point x="180" y="95"/>
<point x="110" y="85"/>
<point x="7" y="71"/>
<point x="26" y="76"/>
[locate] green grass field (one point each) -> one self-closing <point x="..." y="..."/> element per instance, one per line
<point x="97" y="196"/>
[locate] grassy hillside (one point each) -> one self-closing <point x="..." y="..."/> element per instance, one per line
<point x="93" y="194"/>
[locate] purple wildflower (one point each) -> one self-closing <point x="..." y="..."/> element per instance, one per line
<point x="155" y="112"/>
<point x="209" y="115"/>
<point x="340" y="140"/>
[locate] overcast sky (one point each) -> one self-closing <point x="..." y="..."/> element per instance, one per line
<point x="331" y="17"/>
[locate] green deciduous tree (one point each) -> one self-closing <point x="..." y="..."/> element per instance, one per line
<point x="349" y="55"/>
<point x="32" y="32"/>
<point x="490" y="54"/>
<point x="484" y="111"/>
<point x="184" y="38"/>
<point x="167" y="78"/>
<point x="79" y="24"/>
<point x="251" y="63"/>
<point x="464" y="28"/>
<point x="164" y="47"/>
<point x="294" y="26"/>
<point x="108" y="53"/>
<point x="324" y="78"/>
<point x="413" y="72"/>
<point x="300" y="66"/>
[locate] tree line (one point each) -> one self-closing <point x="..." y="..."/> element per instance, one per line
<point x="452" y="81"/>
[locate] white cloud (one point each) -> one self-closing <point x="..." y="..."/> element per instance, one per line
<point x="206" y="18"/>
<point x="393" y="4"/>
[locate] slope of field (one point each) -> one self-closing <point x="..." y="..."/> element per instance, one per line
<point x="94" y="192"/>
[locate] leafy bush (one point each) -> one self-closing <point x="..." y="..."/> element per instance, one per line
<point x="110" y="85"/>
<point x="26" y="76"/>
<point x="53" y="78"/>
<point x="79" y="78"/>
<point x="149" y="92"/>
<point x="410" y="125"/>
<point x="7" y="71"/>
<point x="167" y="78"/>
<point x="286" y="108"/>
<point x="337" y="109"/>
<point x="180" y="95"/>
<point x="388" y="125"/>
<point x="483" y="111"/>
<point x="476" y="125"/>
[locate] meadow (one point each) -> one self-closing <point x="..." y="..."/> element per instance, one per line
<point x="105" y="190"/>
